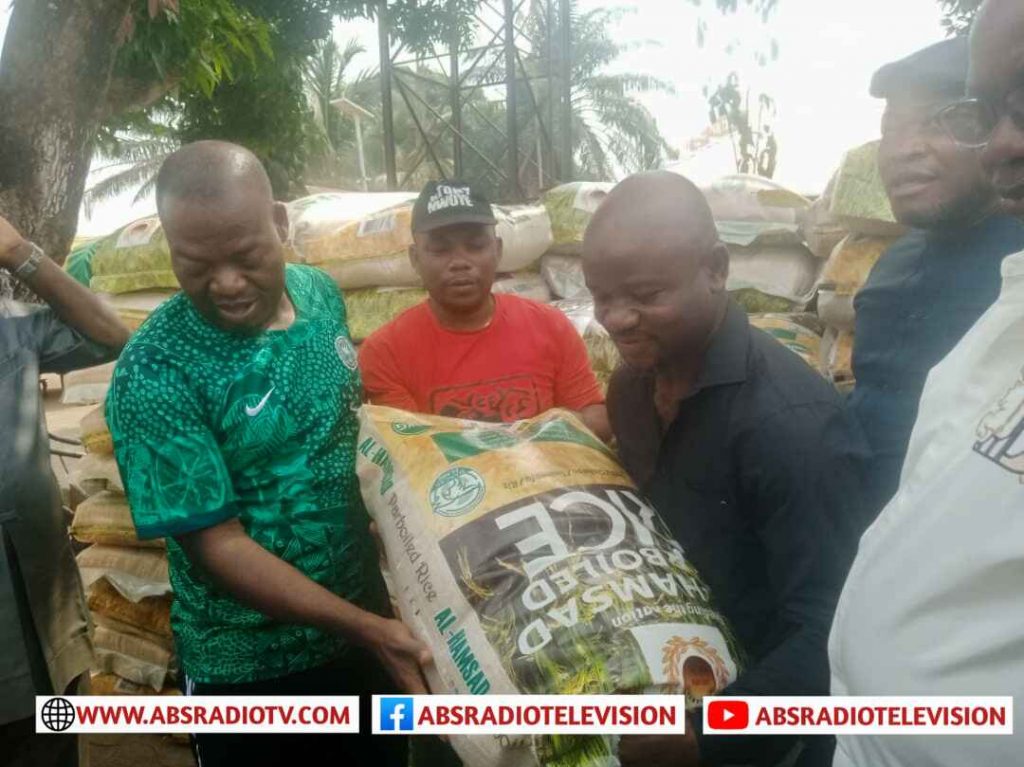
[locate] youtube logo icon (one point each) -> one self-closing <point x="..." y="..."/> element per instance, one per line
<point x="726" y="715"/>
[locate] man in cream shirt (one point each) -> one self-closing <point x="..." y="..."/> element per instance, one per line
<point x="933" y="603"/>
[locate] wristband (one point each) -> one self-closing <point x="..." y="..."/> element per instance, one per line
<point x="30" y="265"/>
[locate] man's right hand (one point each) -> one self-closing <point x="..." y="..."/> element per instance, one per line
<point x="402" y="654"/>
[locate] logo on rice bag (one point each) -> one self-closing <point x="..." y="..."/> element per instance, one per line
<point x="408" y="429"/>
<point x="456" y="492"/>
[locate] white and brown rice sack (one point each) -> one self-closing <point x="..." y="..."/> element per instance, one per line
<point x="525" y="558"/>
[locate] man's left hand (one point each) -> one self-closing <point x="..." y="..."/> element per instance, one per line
<point x="10" y="243"/>
<point x="659" y="750"/>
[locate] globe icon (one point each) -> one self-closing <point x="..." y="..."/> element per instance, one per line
<point x="58" y="714"/>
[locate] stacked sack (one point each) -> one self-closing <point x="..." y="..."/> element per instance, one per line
<point x="130" y="269"/>
<point x="855" y="220"/>
<point x="362" y="240"/>
<point x="126" y="580"/>
<point x="773" y="272"/>
<point x="771" y="269"/>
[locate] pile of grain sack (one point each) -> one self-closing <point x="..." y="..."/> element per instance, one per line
<point x="854" y="224"/>
<point x="126" y="581"/>
<point x="796" y="264"/>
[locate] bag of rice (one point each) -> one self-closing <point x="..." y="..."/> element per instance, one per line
<point x="134" y="308"/>
<point x="570" y="207"/>
<point x="845" y="273"/>
<point x="113" y="624"/>
<point x="94" y="432"/>
<point x="131" y="658"/>
<point x="369" y="309"/>
<point x="751" y="210"/>
<point x="372" y="251"/>
<point x="601" y="351"/>
<point x="151" y="615"/>
<point x="564" y="275"/>
<point x="793" y="333"/>
<point x="135" y="257"/>
<point x="525" y="558"/>
<point x="112" y="684"/>
<point x="524" y="284"/>
<point x="87" y="386"/>
<point x="859" y="200"/>
<point x="789" y="273"/>
<point x="107" y="518"/>
<point x="96" y="472"/>
<point x="135" y="573"/>
<point x="820" y="229"/>
<point x="837" y="358"/>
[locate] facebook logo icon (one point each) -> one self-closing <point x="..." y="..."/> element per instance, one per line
<point x="395" y="714"/>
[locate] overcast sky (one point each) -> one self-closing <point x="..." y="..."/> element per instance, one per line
<point x="828" y="50"/>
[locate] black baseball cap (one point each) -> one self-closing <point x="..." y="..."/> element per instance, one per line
<point x="443" y="203"/>
<point x="939" y="69"/>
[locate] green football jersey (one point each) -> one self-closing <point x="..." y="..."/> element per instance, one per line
<point x="210" y="425"/>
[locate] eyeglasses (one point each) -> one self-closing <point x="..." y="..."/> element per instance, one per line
<point x="972" y="122"/>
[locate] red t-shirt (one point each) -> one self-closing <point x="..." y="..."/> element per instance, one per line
<point x="527" y="361"/>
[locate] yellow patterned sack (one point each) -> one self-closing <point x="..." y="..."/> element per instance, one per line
<point x="373" y="250"/>
<point x="134" y="308"/>
<point x="151" y="615"/>
<point x="131" y="657"/>
<point x="135" y="573"/>
<point x="133" y="258"/>
<point x="569" y="208"/>
<point x="859" y="200"/>
<point x="112" y="684"/>
<point x="525" y="558"/>
<point x="370" y="309"/>
<point x="95" y="434"/>
<point x="106" y="518"/>
<point x="851" y="262"/>
<point x="792" y="334"/>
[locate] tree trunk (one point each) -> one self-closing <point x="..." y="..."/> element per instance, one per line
<point x="54" y="76"/>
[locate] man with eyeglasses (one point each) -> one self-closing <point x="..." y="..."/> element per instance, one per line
<point x="932" y="606"/>
<point x="932" y="285"/>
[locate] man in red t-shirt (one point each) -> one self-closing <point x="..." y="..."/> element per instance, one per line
<point x="467" y="353"/>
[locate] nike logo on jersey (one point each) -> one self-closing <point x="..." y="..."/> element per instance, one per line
<point x="255" y="411"/>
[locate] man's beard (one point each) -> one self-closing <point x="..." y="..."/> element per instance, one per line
<point x="961" y="213"/>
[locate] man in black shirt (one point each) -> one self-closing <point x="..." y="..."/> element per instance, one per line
<point x="745" y="451"/>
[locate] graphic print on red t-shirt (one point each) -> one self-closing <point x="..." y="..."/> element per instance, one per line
<point x="501" y="399"/>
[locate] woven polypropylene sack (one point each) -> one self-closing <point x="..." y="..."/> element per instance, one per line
<point x="95" y="433"/>
<point x="526" y="559"/>
<point x="107" y="518"/>
<point x="152" y="614"/>
<point x="135" y="573"/>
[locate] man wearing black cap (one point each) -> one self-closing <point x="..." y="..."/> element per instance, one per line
<point x="465" y="352"/>
<point x="930" y="287"/>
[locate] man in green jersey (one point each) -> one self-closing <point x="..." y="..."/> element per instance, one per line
<point x="232" y="413"/>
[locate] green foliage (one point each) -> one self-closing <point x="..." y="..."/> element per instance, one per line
<point x="755" y="148"/>
<point x="194" y="43"/>
<point x="325" y="75"/>
<point x="262" y="110"/>
<point x="957" y="15"/>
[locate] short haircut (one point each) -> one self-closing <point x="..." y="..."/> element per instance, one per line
<point x="209" y="170"/>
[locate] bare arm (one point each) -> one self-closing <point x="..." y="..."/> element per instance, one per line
<point x="596" y="419"/>
<point x="241" y="567"/>
<point x="73" y="303"/>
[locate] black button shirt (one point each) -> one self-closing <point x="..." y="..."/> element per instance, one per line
<point x="760" y="478"/>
